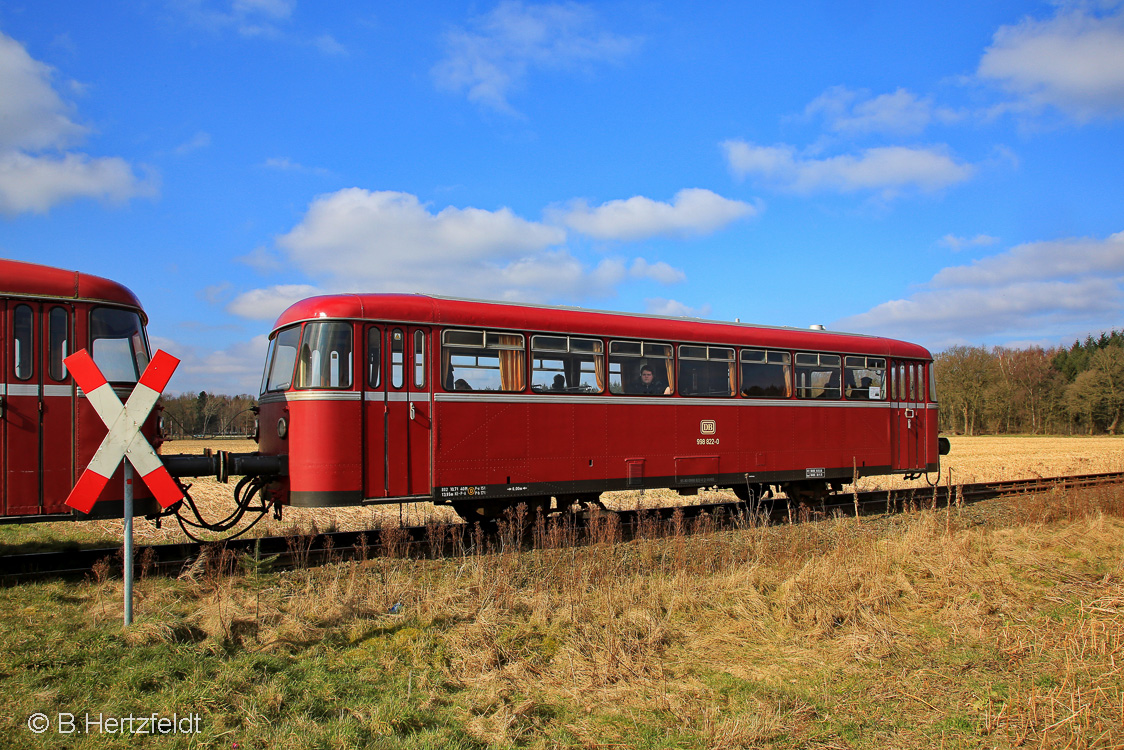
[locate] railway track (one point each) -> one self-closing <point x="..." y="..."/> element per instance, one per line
<point x="441" y="540"/>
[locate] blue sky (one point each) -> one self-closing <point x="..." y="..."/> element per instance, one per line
<point x="950" y="173"/>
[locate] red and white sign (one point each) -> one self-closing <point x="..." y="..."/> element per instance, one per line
<point x="124" y="439"/>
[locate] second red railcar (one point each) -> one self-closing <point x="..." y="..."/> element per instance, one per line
<point x="392" y="398"/>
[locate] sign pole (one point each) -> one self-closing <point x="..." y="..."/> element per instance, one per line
<point x="128" y="562"/>
<point x="124" y="444"/>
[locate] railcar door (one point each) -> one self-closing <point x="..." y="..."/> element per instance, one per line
<point x="420" y="412"/>
<point x="21" y="410"/>
<point x="408" y="412"/>
<point x="57" y="424"/>
<point x="906" y="415"/>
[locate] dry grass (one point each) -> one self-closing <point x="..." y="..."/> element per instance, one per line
<point x="997" y="625"/>
<point x="906" y="631"/>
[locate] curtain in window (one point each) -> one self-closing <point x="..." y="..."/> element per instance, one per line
<point x="599" y="369"/>
<point x="512" y="375"/>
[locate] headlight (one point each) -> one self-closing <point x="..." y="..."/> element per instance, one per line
<point x="282" y="427"/>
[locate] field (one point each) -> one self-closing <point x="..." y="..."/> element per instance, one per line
<point x="995" y="625"/>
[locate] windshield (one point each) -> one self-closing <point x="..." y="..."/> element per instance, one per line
<point x="118" y="344"/>
<point x="281" y="358"/>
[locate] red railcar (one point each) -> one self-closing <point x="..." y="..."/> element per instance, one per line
<point x="48" y="431"/>
<point x="391" y="398"/>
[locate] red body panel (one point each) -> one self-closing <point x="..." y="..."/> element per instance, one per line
<point x="450" y="445"/>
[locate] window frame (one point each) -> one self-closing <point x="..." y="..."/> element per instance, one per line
<point x="541" y="352"/>
<point x="837" y="369"/>
<point x="707" y="353"/>
<point x="489" y="341"/>
<point x="786" y="362"/>
<point x="869" y="362"/>
<point x="22" y="341"/>
<point x="641" y="353"/>
<point x="304" y="375"/>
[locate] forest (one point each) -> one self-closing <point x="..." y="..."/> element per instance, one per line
<point x="1059" y="391"/>
<point x="208" y="414"/>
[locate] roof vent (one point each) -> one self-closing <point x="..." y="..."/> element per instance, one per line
<point x="817" y="327"/>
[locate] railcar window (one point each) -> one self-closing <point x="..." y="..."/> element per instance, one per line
<point x="706" y="371"/>
<point x="118" y="344"/>
<point x="23" y="342"/>
<point x="397" y="358"/>
<point x="863" y="378"/>
<point x="766" y="374"/>
<point x="564" y="364"/>
<point x="817" y="375"/>
<point x="419" y="359"/>
<point x="932" y="383"/>
<point x="899" y="393"/>
<point x="483" y="361"/>
<point x="326" y="359"/>
<point x="58" y="335"/>
<point x="374" y="356"/>
<point x="630" y="360"/>
<point x="284" y="359"/>
<point x="268" y="360"/>
<point x="914" y="378"/>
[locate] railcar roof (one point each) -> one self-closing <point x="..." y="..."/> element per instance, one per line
<point x="21" y="279"/>
<point x="451" y="311"/>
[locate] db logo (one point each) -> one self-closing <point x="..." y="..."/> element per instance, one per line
<point x="708" y="427"/>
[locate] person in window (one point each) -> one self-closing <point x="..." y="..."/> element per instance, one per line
<point x="559" y="383"/>
<point x="647" y="384"/>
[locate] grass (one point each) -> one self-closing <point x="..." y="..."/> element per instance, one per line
<point x="1000" y="625"/>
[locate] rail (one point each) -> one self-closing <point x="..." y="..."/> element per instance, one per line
<point x="293" y="550"/>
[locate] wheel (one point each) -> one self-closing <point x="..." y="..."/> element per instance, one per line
<point x="479" y="511"/>
<point x="749" y="494"/>
<point x="493" y="511"/>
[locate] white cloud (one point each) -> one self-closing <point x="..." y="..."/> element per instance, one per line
<point x="383" y="235"/>
<point x="36" y="183"/>
<point x="262" y="260"/>
<point x="234" y="370"/>
<point x="692" y="211"/>
<point x="33" y="118"/>
<point x="248" y="17"/>
<point x="253" y="19"/>
<point x="658" y="271"/>
<point x="500" y="48"/>
<point x="1073" y="61"/>
<point x="673" y="308"/>
<point x="1040" y="261"/>
<point x="853" y="113"/>
<point x="1025" y="292"/>
<point x="962" y="243"/>
<point x="198" y="141"/>
<point x="888" y="169"/>
<point x="267" y="304"/>
<point x="32" y="115"/>
<point x="382" y="241"/>
<point x="285" y="164"/>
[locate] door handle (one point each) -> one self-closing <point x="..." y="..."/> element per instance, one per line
<point x="412" y="412"/>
